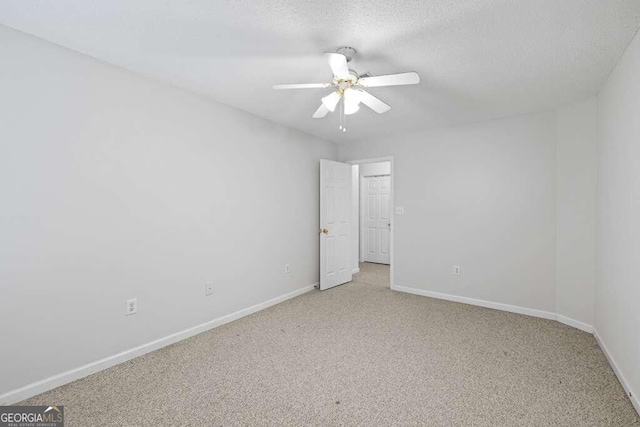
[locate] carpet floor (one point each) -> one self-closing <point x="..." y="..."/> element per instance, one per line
<point x="361" y="354"/>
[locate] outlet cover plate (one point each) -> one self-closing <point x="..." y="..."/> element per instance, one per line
<point x="132" y="306"/>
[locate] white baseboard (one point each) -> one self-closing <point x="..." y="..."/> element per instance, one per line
<point x="482" y="303"/>
<point x="47" y="384"/>
<point x="499" y="306"/>
<point x="625" y="385"/>
<point x="355" y="270"/>
<point x="574" y="323"/>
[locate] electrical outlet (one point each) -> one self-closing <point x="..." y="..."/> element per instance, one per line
<point x="208" y="288"/>
<point x="132" y="306"/>
<point x="457" y="270"/>
<point x="287" y="269"/>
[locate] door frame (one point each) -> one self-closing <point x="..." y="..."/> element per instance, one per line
<point x="392" y="208"/>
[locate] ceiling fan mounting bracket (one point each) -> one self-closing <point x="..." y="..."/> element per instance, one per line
<point x="347" y="51"/>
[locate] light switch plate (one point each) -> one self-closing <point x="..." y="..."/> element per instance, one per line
<point x="399" y="210"/>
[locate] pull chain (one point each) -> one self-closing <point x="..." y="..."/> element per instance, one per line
<point x="342" y="116"/>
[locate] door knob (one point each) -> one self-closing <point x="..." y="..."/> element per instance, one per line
<point x="324" y="231"/>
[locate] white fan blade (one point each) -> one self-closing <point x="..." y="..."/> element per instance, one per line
<point x="374" y="103"/>
<point x="303" y="86"/>
<point x="390" y="80"/>
<point x="320" y="112"/>
<point x="338" y="64"/>
<point x="330" y="101"/>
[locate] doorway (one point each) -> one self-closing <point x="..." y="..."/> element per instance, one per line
<point x="375" y="225"/>
<point x="372" y="221"/>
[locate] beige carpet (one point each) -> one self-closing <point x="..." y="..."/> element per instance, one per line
<point x="361" y="354"/>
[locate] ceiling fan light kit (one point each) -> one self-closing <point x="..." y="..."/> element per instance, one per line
<point x="348" y="87"/>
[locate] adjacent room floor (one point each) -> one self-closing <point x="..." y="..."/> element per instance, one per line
<point x="361" y="354"/>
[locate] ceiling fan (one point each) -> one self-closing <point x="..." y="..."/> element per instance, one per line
<point x="348" y="87"/>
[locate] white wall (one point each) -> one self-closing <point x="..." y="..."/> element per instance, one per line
<point x="114" y="186"/>
<point x="577" y="181"/>
<point x="481" y="196"/>
<point x="617" y="312"/>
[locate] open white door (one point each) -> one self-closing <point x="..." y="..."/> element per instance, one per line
<point x="335" y="206"/>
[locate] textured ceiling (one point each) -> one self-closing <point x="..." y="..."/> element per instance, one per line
<point x="478" y="59"/>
